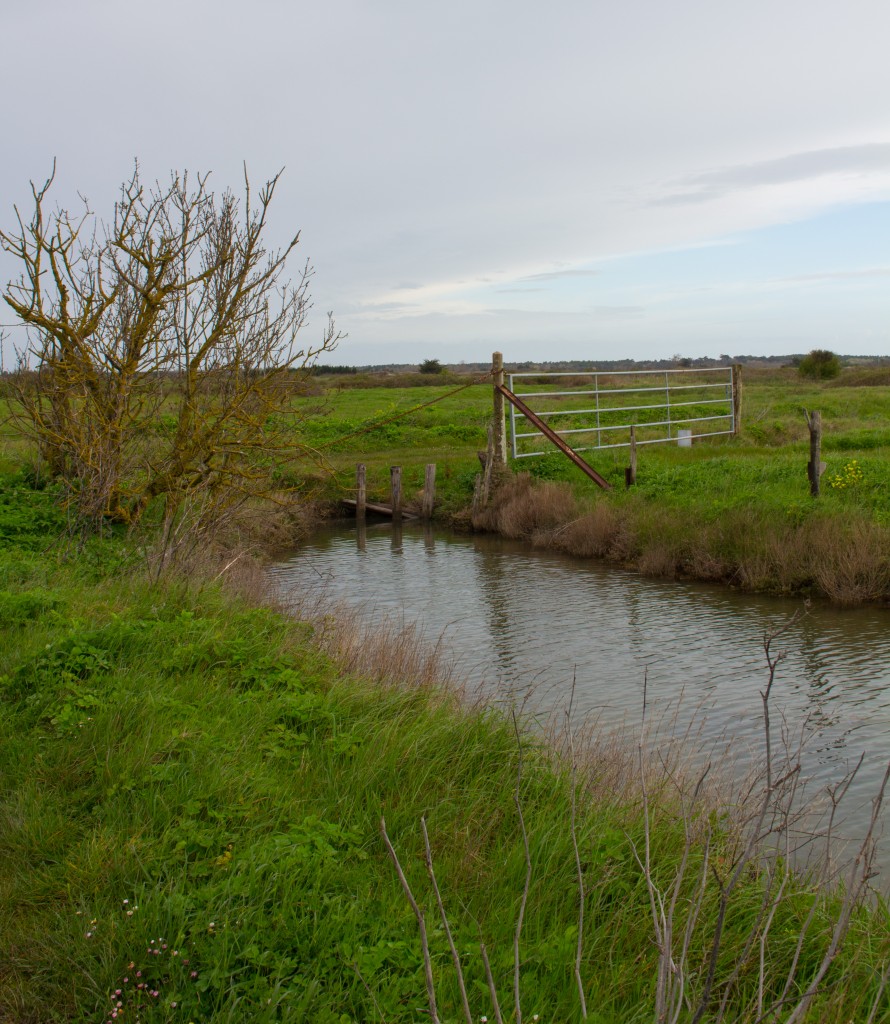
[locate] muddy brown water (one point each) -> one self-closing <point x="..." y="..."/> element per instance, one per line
<point x="523" y="624"/>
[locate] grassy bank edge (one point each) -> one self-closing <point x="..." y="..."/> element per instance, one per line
<point x="186" y="771"/>
<point x="845" y="559"/>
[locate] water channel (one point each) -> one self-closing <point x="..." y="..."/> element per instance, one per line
<point x="524" y="623"/>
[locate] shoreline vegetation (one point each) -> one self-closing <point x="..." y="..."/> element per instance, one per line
<point x="194" y="785"/>
<point x="846" y="561"/>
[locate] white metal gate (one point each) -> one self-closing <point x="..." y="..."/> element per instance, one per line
<point x="661" y="406"/>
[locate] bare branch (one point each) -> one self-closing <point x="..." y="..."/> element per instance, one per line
<point x="573" y="781"/>
<point x="493" y="992"/>
<point x="421" y="924"/>
<point x="528" y="872"/>
<point x="455" y="956"/>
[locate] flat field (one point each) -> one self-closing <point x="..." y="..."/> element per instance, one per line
<point x="734" y="509"/>
<point x="731" y="509"/>
<point x="764" y="466"/>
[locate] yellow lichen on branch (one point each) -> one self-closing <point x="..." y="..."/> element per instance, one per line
<point x="162" y="347"/>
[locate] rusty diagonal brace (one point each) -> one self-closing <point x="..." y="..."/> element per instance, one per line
<point x="551" y="435"/>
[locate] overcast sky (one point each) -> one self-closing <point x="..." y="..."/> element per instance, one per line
<point x="556" y="180"/>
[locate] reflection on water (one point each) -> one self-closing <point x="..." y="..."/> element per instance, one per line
<point x="531" y="621"/>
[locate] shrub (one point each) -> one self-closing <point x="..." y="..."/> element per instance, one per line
<point x="820" y="364"/>
<point x="431" y="366"/>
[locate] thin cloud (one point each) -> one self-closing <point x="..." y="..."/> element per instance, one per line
<point x="840" y="275"/>
<point x="870" y="158"/>
<point x="620" y="312"/>
<point x="555" y="275"/>
<point x="611" y="312"/>
<point x="387" y="307"/>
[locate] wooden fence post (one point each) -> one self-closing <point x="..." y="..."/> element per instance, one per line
<point x="736" y="399"/>
<point x="361" y="493"/>
<point x="395" y="491"/>
<point x="815" y="467"/>
<point x="488" y="466"/>
<point x="429" y="490"/>
<point x="477" y="495"/>
<point x="630" y="474"/>
<point x="500" y="426"/>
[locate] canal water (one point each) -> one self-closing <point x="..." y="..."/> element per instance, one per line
<point x="526" y="625"/>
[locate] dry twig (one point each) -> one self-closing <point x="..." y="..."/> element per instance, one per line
<point x="421" y="924"/>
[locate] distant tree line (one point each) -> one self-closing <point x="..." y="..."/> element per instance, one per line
<point x="430" y="366"/>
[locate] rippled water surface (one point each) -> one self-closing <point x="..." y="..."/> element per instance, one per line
<point x="530" y="621"/>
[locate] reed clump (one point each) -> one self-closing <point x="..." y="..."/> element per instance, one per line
<point x="513" y="514"/>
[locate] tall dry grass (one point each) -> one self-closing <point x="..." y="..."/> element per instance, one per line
<point x="385" y="652"/>
<point x="521" y="509"/>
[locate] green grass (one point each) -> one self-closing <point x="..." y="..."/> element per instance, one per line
<point x="375" y="430"/>
<point x="765" y="466"/>
<point x="190" y="795"/>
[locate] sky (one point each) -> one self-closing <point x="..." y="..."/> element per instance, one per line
<point x="571" y="180"/>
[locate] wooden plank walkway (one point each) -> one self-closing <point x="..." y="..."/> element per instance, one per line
<point x="383" y="510"/>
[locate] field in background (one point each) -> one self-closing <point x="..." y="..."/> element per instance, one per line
<point x="730" y="509"/>
<point x="763" y="467"/>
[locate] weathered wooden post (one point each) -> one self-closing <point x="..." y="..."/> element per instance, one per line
<point x="361" y="492"/>
<point x="361" y="534"/>
<point x="815" y="467"/>
<point x="500" y="426"/>
<point x="630" y="474"/>
<point x="429" y="491"/>
<point x="477" y="495"/>
<point x="489" y="463"/>
<point x="736" y="399"/>
<point x="395" y="492"/>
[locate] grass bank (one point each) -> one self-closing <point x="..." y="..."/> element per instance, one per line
<point x="190" y="807"/>
<point x="842" y="555"/>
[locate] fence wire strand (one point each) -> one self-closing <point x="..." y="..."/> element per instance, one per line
<point x="376" y="424"/>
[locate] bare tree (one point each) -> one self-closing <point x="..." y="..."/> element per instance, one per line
<point x="162" y="348"/>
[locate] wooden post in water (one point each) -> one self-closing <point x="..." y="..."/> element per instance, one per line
<point x="361" y="492"/>
<point x="500" y="425"/>
<point x="395" y="491"/>
<point x="429" y="538"/>
<point x="429" y="491"/>
<point x="630" y="474"/>
<point x="815" y="467"/>
<point x="736" y="399"/>
<point x="395" y="537"/>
